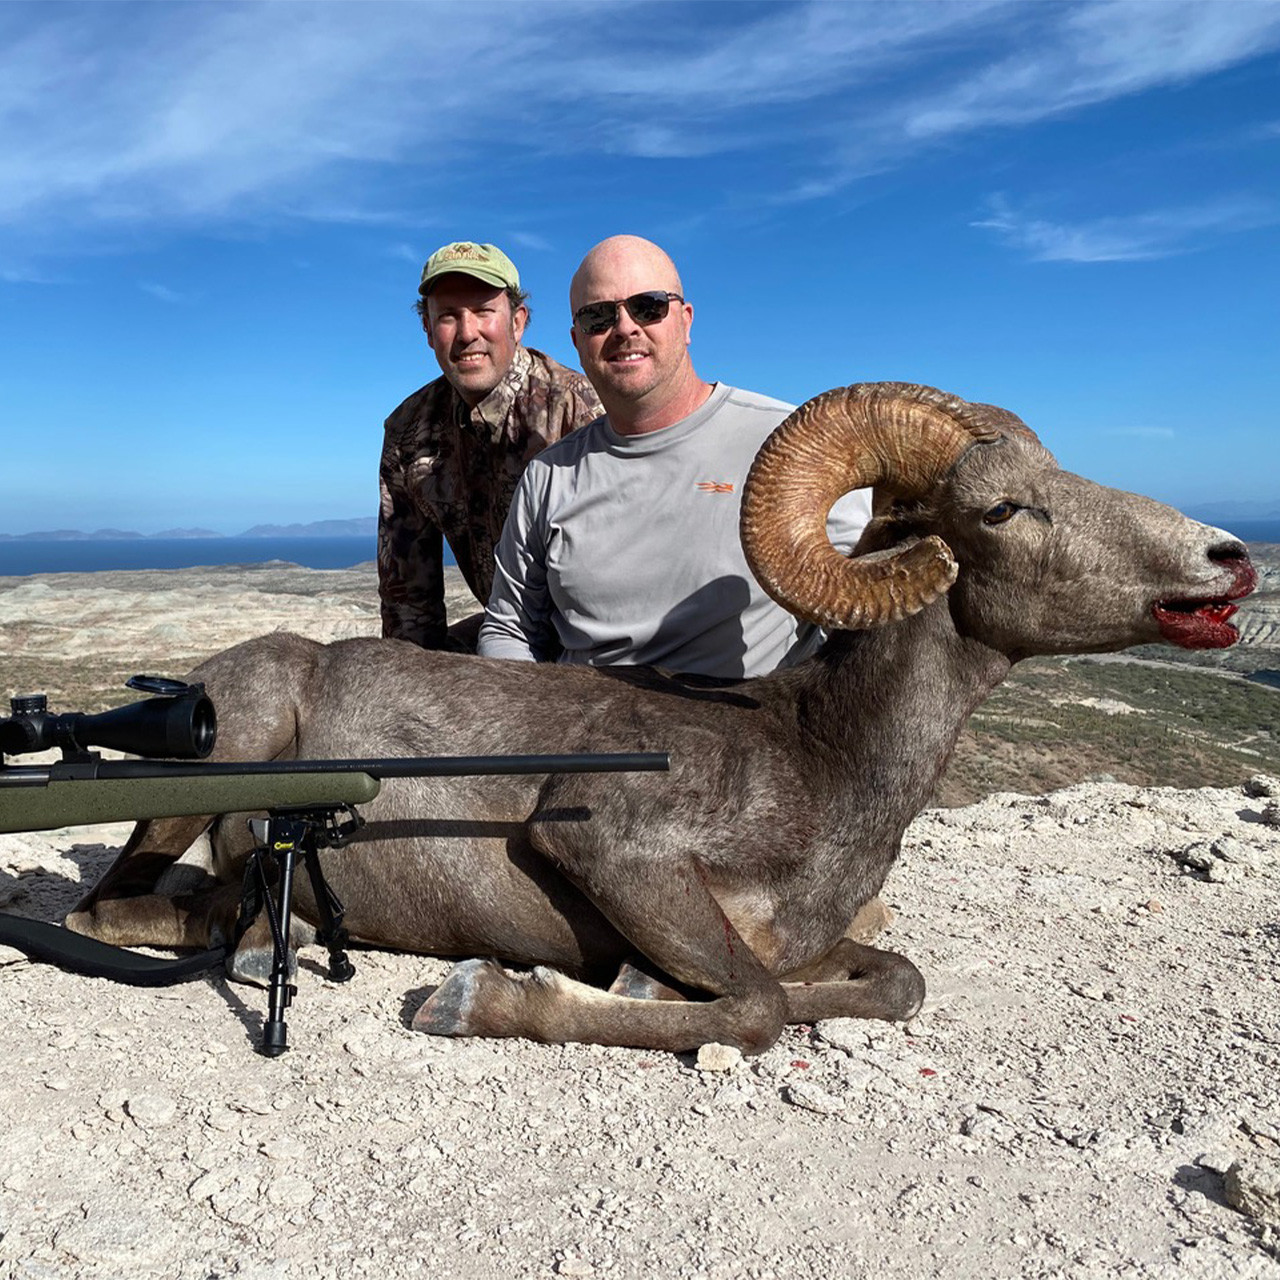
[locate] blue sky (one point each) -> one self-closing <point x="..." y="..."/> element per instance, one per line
<point x="213" y="217"/>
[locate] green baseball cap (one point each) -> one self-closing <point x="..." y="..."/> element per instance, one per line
<point x="484" y="261"/>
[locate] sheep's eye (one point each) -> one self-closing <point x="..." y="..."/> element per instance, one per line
<point x="1001" y="512"/>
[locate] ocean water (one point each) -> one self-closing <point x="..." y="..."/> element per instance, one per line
<point x="1251" y="530"/>
<point x="22" y="557"/>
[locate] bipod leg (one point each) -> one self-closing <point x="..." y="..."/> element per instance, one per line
<point x="281" y="838"/>
<point x="330" y="910"/>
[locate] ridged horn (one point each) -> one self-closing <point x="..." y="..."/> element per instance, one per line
<point x="897" y="435"/>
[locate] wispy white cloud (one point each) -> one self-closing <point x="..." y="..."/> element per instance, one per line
<point x="796" y="52"/>
<point x="531" y="240"/>
<point x="1097" y="52"/>
<point x="1045" y="62"/>
<point x="1138" y="237"/>
<point x="407" y="253"/>
<point x="151" y="114"/>
<point x="22" y="274"/>
<point x="162" y="292"/>
<point x="137" y="112"/>
<point x="1145" y="433"/>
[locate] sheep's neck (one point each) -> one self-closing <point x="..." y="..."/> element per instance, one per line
<point x="885" y="709"/>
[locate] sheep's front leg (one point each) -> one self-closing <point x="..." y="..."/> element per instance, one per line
<point x="668" y="914"/>
<point x="129" y="905"/>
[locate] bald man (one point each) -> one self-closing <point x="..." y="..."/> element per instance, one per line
<point x="621" y="545"/>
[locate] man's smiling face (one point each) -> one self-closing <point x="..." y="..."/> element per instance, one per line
<point x="473" y="332"/>
<point x="632" y="363"/>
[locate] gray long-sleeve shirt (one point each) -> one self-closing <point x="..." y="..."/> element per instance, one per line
<point x="625" y="550"/>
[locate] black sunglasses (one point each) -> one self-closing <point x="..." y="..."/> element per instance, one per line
<point x="644" y="308"/>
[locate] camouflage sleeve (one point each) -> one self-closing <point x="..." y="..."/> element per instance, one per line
<point x="584" y="407"/>
<point x="410" y="565"/>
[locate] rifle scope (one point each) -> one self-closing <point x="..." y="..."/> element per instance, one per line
<point x="179" y="724"/>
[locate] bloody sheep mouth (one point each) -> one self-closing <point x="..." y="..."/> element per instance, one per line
<point x="1197" y="624"/>
<point x="1204" y="622"/>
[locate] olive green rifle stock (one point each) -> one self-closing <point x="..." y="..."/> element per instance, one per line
<point x="69" y="794"/>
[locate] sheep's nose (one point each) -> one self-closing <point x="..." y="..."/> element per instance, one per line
<point x="1233" y="555"/>
<point x="1229" y="551"/>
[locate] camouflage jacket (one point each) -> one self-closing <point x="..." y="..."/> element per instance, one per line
<point x="449" y="470"/>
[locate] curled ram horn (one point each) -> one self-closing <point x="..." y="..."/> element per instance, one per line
<point x="897" y="436"/>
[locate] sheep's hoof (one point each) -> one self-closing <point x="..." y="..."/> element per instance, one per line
<point x="450" y="1009"/>
<point x="634" y="984"/>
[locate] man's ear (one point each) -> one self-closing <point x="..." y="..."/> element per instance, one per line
<point x="573" y="337"/>
<point x="519" y="318"/>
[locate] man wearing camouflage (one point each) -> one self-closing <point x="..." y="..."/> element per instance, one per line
<point x="455" y="449"/>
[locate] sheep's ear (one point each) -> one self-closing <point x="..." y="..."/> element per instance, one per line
<point x="906" y="510"/>
<point x="887" y="530"/>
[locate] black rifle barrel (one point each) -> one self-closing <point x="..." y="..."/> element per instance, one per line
<point x="418" y="766"/>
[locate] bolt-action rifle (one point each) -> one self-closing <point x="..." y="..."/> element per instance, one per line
<point x="308" y="803"/>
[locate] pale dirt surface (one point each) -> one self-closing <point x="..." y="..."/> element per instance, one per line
<point x="78" y="632"/>
<point x="1101" y="1043"/>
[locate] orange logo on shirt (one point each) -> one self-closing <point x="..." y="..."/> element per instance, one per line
<point x="714" y="486"/>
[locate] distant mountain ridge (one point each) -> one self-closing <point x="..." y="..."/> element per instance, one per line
<point x="1222" y="513"/>
<point x="1232" y="510"/>
<point x="359" y="527"/>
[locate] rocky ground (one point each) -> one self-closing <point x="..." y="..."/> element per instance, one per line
<point x="1100" y="1049"/>
<point x="1091" y="1089"/>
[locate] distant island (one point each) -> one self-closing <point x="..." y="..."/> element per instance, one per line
<point x="360" y="527"/>
<point x="1222" y="512"/>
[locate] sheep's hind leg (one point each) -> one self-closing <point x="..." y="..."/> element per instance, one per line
<point x="168" y="917"/>
<point x="639" y="980"/>
<point x="854" y="981"/>
<point x="689" y="937"/>
<point x="118" y="908"/>
<point x="872" y="919"/>
<point x="200" y="919"/>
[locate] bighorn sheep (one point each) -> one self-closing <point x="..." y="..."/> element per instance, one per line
<point x="732" y="880"/>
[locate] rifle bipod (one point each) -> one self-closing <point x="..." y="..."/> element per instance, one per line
<point x="279" y="838"/>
